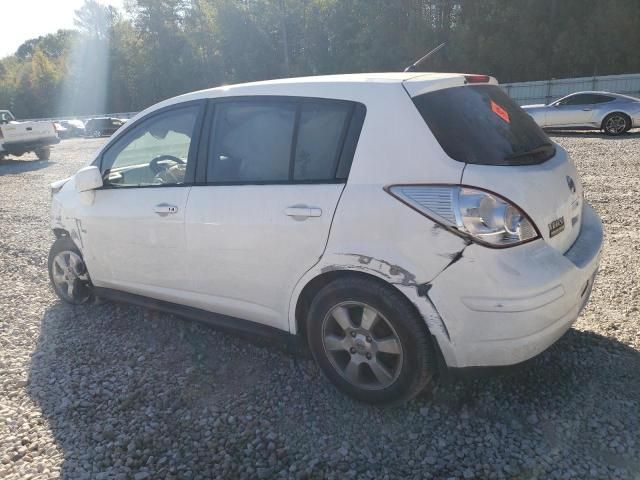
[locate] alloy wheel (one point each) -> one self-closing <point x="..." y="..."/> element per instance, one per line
<point x="615" y="124"/>
<point x="70" y="276"/>
<point x="362" y="345"/>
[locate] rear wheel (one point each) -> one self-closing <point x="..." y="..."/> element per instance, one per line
<point x="43" y="153"/>
<point x="370" y="341"/>
<point x="68" y="273"/>
<point x="616" y="123"/>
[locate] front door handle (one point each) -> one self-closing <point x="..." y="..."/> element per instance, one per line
<point x="164" y="209"/>
<point x="586" y="109"/>
<point x="302" y="211"/>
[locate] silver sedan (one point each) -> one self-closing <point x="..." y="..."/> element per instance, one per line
<point x="611" y="112"/>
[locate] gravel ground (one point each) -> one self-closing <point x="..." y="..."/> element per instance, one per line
<point x="115" y="391"/>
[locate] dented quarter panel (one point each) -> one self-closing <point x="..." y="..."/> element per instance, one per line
<point x="402" y="248"/>
<point x="415" y="289"/>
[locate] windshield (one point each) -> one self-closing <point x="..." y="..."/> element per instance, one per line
<point x="481" y="125"/>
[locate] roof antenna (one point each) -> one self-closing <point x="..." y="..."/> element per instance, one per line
<point x="414" y="66"/>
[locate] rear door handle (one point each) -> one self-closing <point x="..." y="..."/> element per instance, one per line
<point x="586" y="109"/>
<point x="164" y="209"/>
<point x="302" y="211"/>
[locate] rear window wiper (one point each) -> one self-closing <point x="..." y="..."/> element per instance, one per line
<point x="545" y="149"/>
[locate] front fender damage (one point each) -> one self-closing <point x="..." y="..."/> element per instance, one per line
<point x="64" y="224"/>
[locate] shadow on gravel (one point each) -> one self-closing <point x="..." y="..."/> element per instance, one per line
<point x="129" y="391"/>
<point x="14" y="167"/>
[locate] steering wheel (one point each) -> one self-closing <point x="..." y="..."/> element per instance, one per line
<point x="155" y="166"/>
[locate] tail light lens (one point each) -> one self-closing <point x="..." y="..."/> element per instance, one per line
<point x="483" y="217"/>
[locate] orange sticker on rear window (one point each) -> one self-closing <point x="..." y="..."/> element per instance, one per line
<point x="501" y="112"/>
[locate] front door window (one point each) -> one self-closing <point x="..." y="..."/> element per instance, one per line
<point x="153" y="153"/>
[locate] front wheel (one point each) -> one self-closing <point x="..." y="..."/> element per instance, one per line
<point x="370" y="341"/>
<point x="616" y="124"/>
<point x="68" y="273"/>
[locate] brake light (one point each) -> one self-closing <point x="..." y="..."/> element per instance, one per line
<point x="477" y="78"/>
<point x="481" y="216"/>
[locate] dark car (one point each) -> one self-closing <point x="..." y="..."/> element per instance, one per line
<point x="101" y="127"/>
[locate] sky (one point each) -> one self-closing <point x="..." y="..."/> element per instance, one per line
<point x="25" y="19"/>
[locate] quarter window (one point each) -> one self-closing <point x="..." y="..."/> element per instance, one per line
<point x="601" y="99"/>
<point x="153" y="153"/>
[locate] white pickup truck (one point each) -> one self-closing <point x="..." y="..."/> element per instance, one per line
<point x="17" y="138"/>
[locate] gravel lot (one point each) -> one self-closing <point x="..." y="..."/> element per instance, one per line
<point x="115" y="391"/>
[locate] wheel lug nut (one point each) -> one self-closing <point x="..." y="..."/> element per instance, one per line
<point x="352" y="350"/>
<point x="353" y="334"/>
<point x="368" y="356"/>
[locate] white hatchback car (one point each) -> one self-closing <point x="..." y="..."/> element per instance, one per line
<point x="398" y="223"/>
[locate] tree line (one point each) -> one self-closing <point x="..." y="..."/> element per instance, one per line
<point x="116" y="61"/>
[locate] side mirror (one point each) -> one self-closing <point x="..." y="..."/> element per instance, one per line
<point x="88" y="178"/>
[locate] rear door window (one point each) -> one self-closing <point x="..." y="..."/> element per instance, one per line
<point x="320" y="136"/>
<point x="481" y="124"/>
<point x="252" y="142"/>
<point x="283" y="140"/>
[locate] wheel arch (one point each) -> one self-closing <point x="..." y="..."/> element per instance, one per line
<point x="316" y="283"/>
<point x="612" y="112"/>
<point x="61" y="232"/>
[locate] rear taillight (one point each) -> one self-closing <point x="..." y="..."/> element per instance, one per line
<point x="477" y="78"/>
<point x="481" y="216"/>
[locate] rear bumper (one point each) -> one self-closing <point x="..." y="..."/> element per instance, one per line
<point x="502" y="307"/>
<point x="29" y="146"/>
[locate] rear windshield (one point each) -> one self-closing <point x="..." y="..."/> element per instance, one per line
<point x="480" y="124"/>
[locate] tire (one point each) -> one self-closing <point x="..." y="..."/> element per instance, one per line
<point x="395" y="326"/>
<point x="66" y="265"/>
<point x="616" y="124"/>
<point x="43" y="153"/>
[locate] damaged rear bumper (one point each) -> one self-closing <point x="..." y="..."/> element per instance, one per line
<point x="502" y="307"/>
